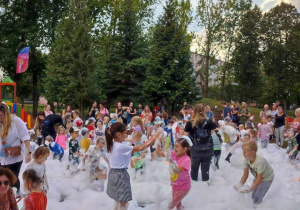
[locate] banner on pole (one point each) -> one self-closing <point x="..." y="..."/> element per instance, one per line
<point x="23" y="60"/>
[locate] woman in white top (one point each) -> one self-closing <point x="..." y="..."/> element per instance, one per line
<point x="47" y="110"/>
<point x="118" y="185"/>
<point x="15" y="142"/>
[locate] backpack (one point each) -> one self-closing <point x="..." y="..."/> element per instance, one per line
<point x="201" y="134"/>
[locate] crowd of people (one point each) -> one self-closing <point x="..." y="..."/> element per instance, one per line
<point x="105" y="144"/>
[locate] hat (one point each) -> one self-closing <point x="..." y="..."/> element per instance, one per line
<point x="84" y="131"/>
<point x="74" y="129"/>
<point x="78" y="122"/>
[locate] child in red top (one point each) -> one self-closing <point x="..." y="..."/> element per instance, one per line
<point x="179" y="165"/>
<point x="91" y="126"/>
<point x="36" y="199"/>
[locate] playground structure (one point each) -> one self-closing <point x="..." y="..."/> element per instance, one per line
<point x="14" y="107"/>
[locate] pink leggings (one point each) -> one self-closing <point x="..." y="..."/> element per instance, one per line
<point x="177" y="197"/>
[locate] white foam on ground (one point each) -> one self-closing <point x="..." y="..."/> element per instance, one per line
<point x="151" y="190"/>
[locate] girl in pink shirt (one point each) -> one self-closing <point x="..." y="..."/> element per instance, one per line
<point x="61" y="138"/>
<point x="179" y="165"/>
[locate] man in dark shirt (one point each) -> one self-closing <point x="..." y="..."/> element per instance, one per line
<point x="227" y="110"/>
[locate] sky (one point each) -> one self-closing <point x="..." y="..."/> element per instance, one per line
<point x="265" y="5"/>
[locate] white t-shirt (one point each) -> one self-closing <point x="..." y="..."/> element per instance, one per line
<point x="120" y="155"/>
<point x="17" y="133"/>
<point x="41" y="172"/>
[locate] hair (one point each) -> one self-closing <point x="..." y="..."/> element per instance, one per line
<point x="247" y="134"/>
<point x="58" y="129"/>
<point x="198" y="114"/>
<point x="45" y="107"/>
<point x="76" y="111"/>
<point x="49" y="137"/>
<point x="99" y="115"/>
<point x="261" y="119"/>
<point x="223" y="103"/>
<point x="297" y="111"/>
<point x="244" y="103"/>
<point x="40" y="151"/>
<point x="84" y="131"/>
<point x="184" y="144"/>
<point x="100" y="140"/>
<point x="251" y="146"/>
<point x="139" y="121"/>
<point x="120" y="120"/>
<point x="111" y="132"/>
<point x="269" y="116"/>
<point x="147" y="106"/>
<point x="32" y="176"/>
<point x="174" y="118"/>
<point x="164" y="115"/>
<point x="6" y="121"/>
<point x="100" y="121"/>
<point x="280" y="107"/>
<point x="242" y="126"/>
<point x="253" y="132"/>
<point x="67" y="108"/>
<point x="272" y="109"/>
<point x="207" y="107"/>
<point x="9" y="174"/>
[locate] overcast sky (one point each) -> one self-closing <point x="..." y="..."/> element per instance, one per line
<point x="264" y="4"/>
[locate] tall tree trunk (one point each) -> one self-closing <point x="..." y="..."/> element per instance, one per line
<point x="223" y="82"/>
<point x="206" y="71"/>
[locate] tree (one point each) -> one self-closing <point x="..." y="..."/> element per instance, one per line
<point x="169" y="76"/>
<point x="126" y="67"/>
<point x="247" y="56"/>
<point x="27" y="23"/>
<point x="210" y="18"/>
<point x="71" y="68"/>
<point x="281" y="50"/>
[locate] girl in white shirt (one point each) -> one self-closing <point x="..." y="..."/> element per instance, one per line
<point x="118" y="186"/>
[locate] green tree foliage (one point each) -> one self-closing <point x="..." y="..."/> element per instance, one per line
<point x="169" y="76"/>
<point x="27" y="23"/>
<point x="71" y="68"/>
<point x="247" y="56"/>
<point x="281" y="50"/>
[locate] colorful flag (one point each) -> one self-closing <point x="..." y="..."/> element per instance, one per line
<point x="23" y="60"/>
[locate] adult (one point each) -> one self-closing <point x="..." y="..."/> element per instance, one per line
<point x="209" y="114"/>
<point x="277" y="102"/>
<point x="227" y="110"/>
<point x="67" y="114"/>
<point x="147" y="116"/>
<point x="265" y="112"/>
<point x="75" y="117"/>
<point x="297" y="114"/>
<point x="38" y="130"/>
<point x="199" y="130"/>
<point x="131" y="112"/>
<point x="140" y="110"/>
<point x="47" y="110"/>
<point x="273" y="111"/>
<point x="103" y="111"/>
<point x="14" y="142"/>
<point x="48" y="124"/>
<point x="182" y="111"/>
<point x="93" y="110"/>
<point x="244" y="113"/>
<point x="280" y="124"/>
<point x="121" y="113"/>
<point x="235" y="113"/>
<point x="7" y="195"/>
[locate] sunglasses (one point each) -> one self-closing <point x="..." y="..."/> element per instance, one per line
<point x="4" y="183"/>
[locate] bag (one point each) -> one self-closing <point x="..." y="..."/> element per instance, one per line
<point x="12" y="151"/>
<point x="125" y="115"/>
<point x="201" y="134"/>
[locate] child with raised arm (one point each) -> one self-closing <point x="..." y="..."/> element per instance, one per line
<point x="118" y="185"/>
<point x="261" y="170"/>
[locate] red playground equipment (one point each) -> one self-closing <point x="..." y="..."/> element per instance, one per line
<point x="15" y="108"/>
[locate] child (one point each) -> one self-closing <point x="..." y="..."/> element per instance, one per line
<point x="120" y="120"/>
<point x="36" y="199"/>
<point x="217" y="147"/>
<point x="137" y="124"/>
<point x="265" y="131"/>
<point x="85" y="141"/>
<point x="137" y="160"/>
<point x="94" y="154"/>
<point x="181" y="131"/>
<point x="271" y="124"/>
<point x="74" y="146"/>
<point x="99" y="178"/>
<point x="242" y="131"/>
<point x="120" y="155"/>
<point x="58" y="151"/>
<point x="106" y="121"/>
<point x="61" y="138"/>
<point x="91" y="127"/>
<point x="113" y="118"/>
<point x="179" y="166"/>
<point x="291" y="145"/>
<point x="253" y="135"/>
<point x="38" y="164"/>
<point x="161" y="140"/>
<point x="100" y="130"/>
<point x="260" y="169"/>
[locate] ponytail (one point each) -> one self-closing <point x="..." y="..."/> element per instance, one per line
<point x="111" y="132"/>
